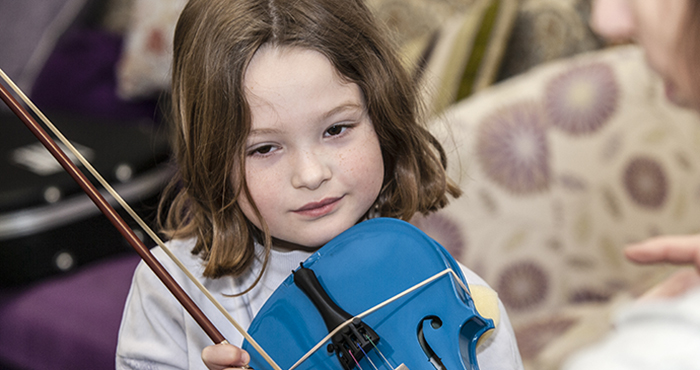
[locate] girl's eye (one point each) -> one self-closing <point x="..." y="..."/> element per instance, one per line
<point x="262" y="150"/>
<point x="336" y="130"/>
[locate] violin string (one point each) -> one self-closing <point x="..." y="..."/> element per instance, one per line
<point x="134" y="216"/>
<point x="379" y="306"/>
<point x="354" y="359"/>
<point x="366" y="356"/>
<point x="381" y="354"/>
<point x="408" y="291"/>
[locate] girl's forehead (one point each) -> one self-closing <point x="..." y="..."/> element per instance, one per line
<point x="292" y="84"/>
<point x="276" y="61"/>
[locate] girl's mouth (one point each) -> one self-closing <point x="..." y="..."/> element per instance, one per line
<point x="317" y="209"/>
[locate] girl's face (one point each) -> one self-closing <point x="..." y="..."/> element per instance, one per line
<point x="313" y="161"/>
<point x="656" y="25"/>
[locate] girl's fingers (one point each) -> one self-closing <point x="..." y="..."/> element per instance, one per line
<point x="225" y="356"/>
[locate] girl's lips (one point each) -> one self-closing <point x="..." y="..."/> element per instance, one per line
<point x="321" y="208"/>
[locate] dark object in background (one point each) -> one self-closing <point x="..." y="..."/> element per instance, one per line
<point x="47" y="224"/>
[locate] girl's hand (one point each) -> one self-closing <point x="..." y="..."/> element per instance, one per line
<point x="225" y="356"/>
<point x="671" y="249"/>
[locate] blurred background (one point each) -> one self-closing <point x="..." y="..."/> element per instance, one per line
<point x="564" y="146"/>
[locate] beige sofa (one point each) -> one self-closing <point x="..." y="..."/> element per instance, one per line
<point x="566" y="150"/>
<point x="562" y="166"/>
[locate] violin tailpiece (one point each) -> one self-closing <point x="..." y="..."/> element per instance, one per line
<point x="352" y="342"/>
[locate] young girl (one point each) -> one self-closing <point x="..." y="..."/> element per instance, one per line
<point x="295" y="120"/>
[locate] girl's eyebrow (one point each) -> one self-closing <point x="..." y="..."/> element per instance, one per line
<point x="262" y="131"/>
<point x="342" y="108"/>
<point x="339" y="109"/>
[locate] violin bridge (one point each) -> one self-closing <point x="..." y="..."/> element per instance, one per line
<point x="401" y="367"/>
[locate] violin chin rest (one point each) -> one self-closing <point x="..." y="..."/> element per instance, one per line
<point x="401" y="367"/>
<point x="486" y="303"/>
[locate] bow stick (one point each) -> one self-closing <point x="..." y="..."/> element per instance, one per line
<point x="117" y="221"/>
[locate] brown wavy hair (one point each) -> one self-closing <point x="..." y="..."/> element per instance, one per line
<point x="214" y="43"/>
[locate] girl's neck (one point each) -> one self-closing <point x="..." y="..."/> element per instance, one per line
<point x="285" y="246"/>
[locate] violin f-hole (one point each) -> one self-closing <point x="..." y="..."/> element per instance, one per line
<point x="430" y="323"/>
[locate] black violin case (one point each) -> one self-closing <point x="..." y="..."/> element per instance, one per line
<point x="48" y="225"/>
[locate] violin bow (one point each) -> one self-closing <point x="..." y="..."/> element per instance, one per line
<point x="187" y="303"/>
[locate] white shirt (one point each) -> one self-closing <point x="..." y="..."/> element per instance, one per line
<point x="662" y="334"/>
<point x="157" y="333"/>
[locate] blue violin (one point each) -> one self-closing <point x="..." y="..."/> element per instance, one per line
<point x="433" y="324"/>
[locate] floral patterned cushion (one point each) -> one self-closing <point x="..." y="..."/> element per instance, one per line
<point x="561" y="167"/>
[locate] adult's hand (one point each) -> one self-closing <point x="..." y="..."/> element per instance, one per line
<point x="667" y="249"/>
<point x="679" y="250"/>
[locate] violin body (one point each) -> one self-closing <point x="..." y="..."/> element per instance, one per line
<point x="362" y="267"/>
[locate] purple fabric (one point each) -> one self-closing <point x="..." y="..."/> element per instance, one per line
<point x="27" y="27"/>
<point x="69" y="322"/>
<point x="79" y="77"/>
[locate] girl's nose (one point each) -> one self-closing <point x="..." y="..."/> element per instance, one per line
<point x="613" y="19"/>
<point x="310" y="170"/>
